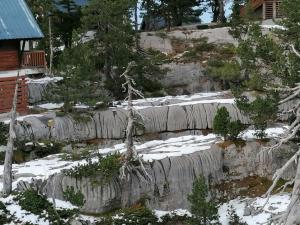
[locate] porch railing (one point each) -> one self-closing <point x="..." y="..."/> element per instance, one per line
<point x="34" y="59"/>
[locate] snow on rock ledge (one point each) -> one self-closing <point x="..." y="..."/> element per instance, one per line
<point x="171" y="167"/>
<point x="169" y="114"/>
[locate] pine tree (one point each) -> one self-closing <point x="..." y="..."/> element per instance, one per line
<point x="203" y="211"/>
<point x="114" y="46"/>
<point x="174" y="12"/>
<point x="67" y="20"/>
<point x="221" y="122"/>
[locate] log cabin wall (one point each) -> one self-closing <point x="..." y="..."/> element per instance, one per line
<point x="9" y="55"/>
<point x="7" y="90"/>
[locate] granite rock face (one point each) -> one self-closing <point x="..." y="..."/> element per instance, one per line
<point x="163" y="43"/>
<point x="182" y="78"/>
<point x="255" y="159"/>
<point x="171" y="182"/>
<point x="171" y="178"/>
<point x="111" y="123"/>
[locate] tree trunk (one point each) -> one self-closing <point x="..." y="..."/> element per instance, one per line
<point x="136" y="26"/>
<point x="51" y="47"/>
<point x="221" y="14"/>
<point x="7" y="173"/>
<point x="292" y="215"/>
<point x="130" y="126"/>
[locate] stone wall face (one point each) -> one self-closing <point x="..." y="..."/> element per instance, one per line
<point x="111" y="123"/>
<point x="171" y="178"/>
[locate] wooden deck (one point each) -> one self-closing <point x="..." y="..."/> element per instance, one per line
<point x="34" y="59"/>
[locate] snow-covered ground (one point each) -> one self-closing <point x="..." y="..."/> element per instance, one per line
<point x="152" y="150"/>
<point x="198" y="98"/>
<point x="272" y="132"/>
<point x="44" y="80"/>
<point x="277" y="204"/>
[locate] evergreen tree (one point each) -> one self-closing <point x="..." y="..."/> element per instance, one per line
<point x="218" y="10"/>
<point x="174" y="12"/>
<point x="67" y="20"/>
<point x="221" y="122"/>
<point x="114" y="46"/>
<point x="81" y="83"/>
<point x="114" y="37"/>
<point x="204" y="211"/>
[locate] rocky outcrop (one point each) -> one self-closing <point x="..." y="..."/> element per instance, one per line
<point x="36" y="92"/>
<point x="171" y="178"/>
<point x="187" y="78"/>
<point x="171" y="182"/>
<point x="111" y="123"/>
<point x="254" y="159"/>
<point x="163" y="41"/>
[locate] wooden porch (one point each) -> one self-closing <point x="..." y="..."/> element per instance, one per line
<point x="265" y="9"/>
<point x="34" y="59"/>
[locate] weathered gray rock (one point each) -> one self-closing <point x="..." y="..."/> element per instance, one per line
<point x="111" y="123"/>
<point x="36" y="92"/>
<point x="172" y="180"/>
<point x="163" y="43"/>
<point x="254" y="159"/>
<point x="188" y="78"/>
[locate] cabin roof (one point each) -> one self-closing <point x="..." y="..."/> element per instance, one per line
<point x="17" y="21"/>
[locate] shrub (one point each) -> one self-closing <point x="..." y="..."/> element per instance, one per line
<point x="75" y="198"/>
<point x="131" y="216"/>
<point x="4" y="214"/>
<point x="31" y="201"/>
<point x="32" y="150"/>
<point x="234" y="219"/>
<point x="261" y="111"/>
<point x="4" y="128"/>
<point x="227" y="71"/>
<point x="204" y="212"/>
<point x="105" y="167"/>
<point x="221" y="122"/>
<point x="234" y="129"/>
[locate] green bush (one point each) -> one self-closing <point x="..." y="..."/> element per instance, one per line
<point x="234" y="219"/>
<point x="229" y="71"/>
<point x="75" y="198"/>
<point x="204" y="212"/>
<point x="4" y="128"/>
<point x="104" y="167"/>
<point x="234" y="129"/>
<point x="36" y="149"/>
<point x="221" y="122"/>
<point x="261" y="111"/>
<point x="35" y="203"/>
<point x="4" y="214"/>
<point x="32" y="202"/>
<point x="130" y="216"/>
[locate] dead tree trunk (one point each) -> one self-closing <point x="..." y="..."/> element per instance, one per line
<point x="7" y="173"/>
<point x="291" y="216"/>
<point x="51" y="47"/>
<point x="131" y="116"/>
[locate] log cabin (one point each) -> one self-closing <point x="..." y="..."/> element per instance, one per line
<point x="265" y="9"/>
<point x="17" y="28"/>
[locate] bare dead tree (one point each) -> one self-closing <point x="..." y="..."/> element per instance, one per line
<point x="7" y="173"/>
<point x="291" y="216"/>
<point x="131" y="153"/>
